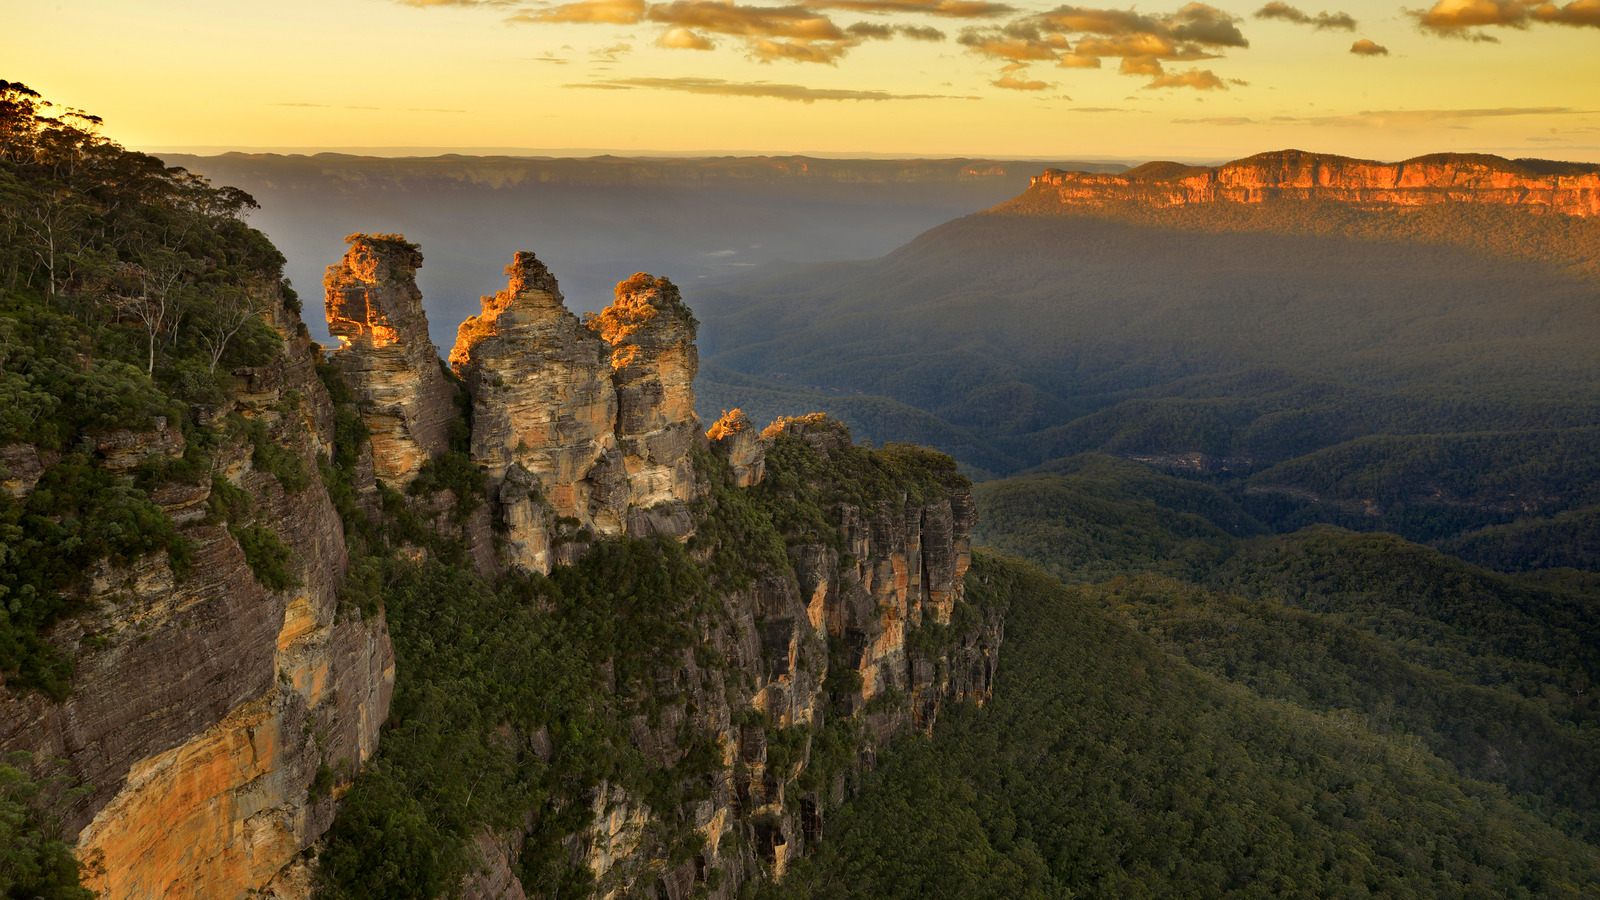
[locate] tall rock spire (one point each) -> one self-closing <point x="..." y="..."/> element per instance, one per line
<point x="375" y="310"/>
<point x="654" y="361"/>
<point x="544" y="413"/>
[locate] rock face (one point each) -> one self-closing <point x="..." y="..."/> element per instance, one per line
<point x="385" y="354"/>
<point x="204" y="707"/>
<point x="654" y="361"/>
<point x="855" y="598"/>
<point x="580" y="437"/>
<point x="736" y="438"/>
<point x="1568" y="188"/>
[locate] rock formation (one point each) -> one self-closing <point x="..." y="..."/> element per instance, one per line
<point x="1540" y="185"/>
<point x="581" y="437"/>
<point x="214" y="721"/>
<point x="385" y="354"/>
<point x="654" y="361"/>
<point x="735" y="437"/>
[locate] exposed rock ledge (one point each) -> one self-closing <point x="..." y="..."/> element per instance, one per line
<point x="1541" y="185"/>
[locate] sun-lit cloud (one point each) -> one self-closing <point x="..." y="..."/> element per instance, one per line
<point x="1011" y="78"/>
<point x="1199" y="79"/>
<point x="611" y="53"/>
<point x="725" y="88"/>
<point x="611" y="12"/>
<point x="955" y="9"/>
<point x="1322" y="21"/>
<point x="1081" y="37"/>
<point x="1365" y="47"/>
<point x="1459" y="18"/>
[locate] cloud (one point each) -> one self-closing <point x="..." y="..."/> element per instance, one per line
<point x="610" y="54"/>
<point x="1322" y="21"/>
<point x="1199" y="79"/>
<point x="955" y="9"/>
<point x="1457" y="18"/>
<point x="1081" y="37"/>
<point x="1219" y="120"/>
<point x="613" y="12"/>
<point x="684" y="39"/>
<point x="920" y="32"/>
<point x="549" y="59"/>
<point x="721" y="87"/>
<point x="770" y="32"/>
<point x="1011" y="79"/>
<point x="1365" y="47"/>
<point x="1095" y="109"/>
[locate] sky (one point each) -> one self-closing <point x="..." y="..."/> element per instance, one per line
<point x="926" y="78"/>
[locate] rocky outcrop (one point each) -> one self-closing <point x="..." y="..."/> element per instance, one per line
<point x="654" y="362"/>
<point x="211" y="720"/>
<point x="855" y="630"/>
<point x="1540" y="185"/>
<point x="585" y="431"/>
<point x="738" y="441"/>
<point x="385" y="355"/>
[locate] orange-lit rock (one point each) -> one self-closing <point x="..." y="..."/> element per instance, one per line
<point x="654" y="361"/>
<point x="736" y="438"/>
<point x="385" y="355"/>
<point x="196" y="702"/>
<point x="1569" y="188"/>
<point x="543" y="402"/>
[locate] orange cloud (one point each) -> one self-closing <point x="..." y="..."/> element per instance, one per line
<point x="1011" y="79"/>
<point x="1141" y="41"/>
<point x="1456" y="18"/>
<point x="1365" y="47"/>
<point x="955" y="9"/>
<point x="1322" y="21"/>
<point x="1199" y="79"/>
<point x="684" y="39"/>
<point x="614" y="12"/>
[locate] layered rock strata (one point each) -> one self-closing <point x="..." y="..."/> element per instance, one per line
<point x="1540" y="185"/>
<point x="581" y="437"/>
<point x="385" y="355"/>
<point x="214" y="721"/>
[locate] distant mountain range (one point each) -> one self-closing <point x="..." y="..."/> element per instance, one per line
<point x="1358" y="343"/>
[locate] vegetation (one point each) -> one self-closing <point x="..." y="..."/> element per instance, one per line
<point x="35" y="857"/>
<point x="128" y="293"/>
<point x="1426" y="372"/>
<point x="1105" y="767"/>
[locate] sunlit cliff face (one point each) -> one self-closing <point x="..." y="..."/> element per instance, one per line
<point x="1568" y="189"/>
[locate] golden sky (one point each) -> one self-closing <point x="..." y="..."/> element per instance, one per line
<point x="1370" y="78"/>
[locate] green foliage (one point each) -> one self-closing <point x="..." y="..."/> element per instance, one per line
<point x="269" y="559"/>
<point x="1492" y="673"/>
<point x="36" y="861"/>
<point x="1104" y="767"/>
<point x="124" y="287"/>
<point x="78" y="514"/>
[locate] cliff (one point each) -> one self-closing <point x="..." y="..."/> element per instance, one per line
<point x="375" y="310"/>
<point x="211" y="719"/>
<point x="1540" y="185"/>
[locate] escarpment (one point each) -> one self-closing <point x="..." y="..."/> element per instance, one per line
<point x="1567" y="188"/>
<point x="731" y="624"/>
<point x="385" y="355"/>
<point x="217" y="706"/>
